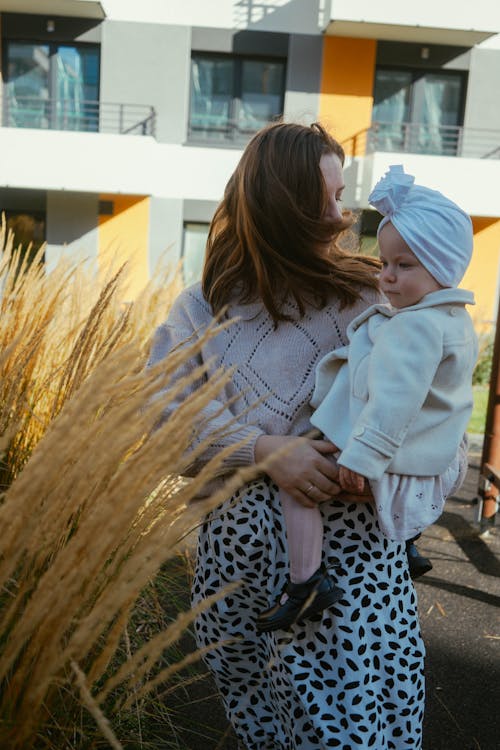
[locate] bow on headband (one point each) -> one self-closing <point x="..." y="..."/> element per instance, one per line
<point x="435" y="229"/>
<point x="390" y="192"/>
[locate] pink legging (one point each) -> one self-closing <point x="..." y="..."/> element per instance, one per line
<point x="304" y="531"/>
<point x="304" y="526"/>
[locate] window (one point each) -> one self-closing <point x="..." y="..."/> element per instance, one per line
<point x="193" y="251"/>
<point x="418" y="111"/>
<point x="28" y="228"/>
<point x="51" y="86"/>
<point x="368" y="225"/>
<point x="232" y="97"/>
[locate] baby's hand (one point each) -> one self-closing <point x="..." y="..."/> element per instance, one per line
<point x="351" y="480"/>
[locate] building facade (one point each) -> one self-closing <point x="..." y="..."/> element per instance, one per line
<point x="122" y="121"/>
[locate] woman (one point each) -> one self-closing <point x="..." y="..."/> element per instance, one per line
<point x="350" y="676"/>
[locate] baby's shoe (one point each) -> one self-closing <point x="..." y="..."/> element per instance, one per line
<point x="417" y="563"/>
<point x="304" y="599"/>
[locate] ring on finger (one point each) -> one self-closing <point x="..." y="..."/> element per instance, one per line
<point x="309" y="489"/>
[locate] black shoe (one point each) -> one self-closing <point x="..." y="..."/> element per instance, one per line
<point x="417" y="563"/>
<point x="304" y="599"/>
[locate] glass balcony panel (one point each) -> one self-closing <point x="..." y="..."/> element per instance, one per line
<point x="261" y="93"/>
<point x="440" y="107"/>
<point x="417" y="111"/>
<point x="232" y="96"/>
<point x="195" y="239"/>
<point x="52" y="86"/>
<point x="27" y="88"/>
<point x="77" y="88"/>
<point x="391" y="108"/>
<point x="212" y="88"/>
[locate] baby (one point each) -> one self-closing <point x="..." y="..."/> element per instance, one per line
<point x="397" y="400"/>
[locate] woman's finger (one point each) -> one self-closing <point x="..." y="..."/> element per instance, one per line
<point x="317" y="495"/>
<point x="325" y="486"/>
<point x="328" y="468"/>
<point x="324" y="446"/>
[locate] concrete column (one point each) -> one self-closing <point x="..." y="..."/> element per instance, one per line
<point x="71" y="227"/>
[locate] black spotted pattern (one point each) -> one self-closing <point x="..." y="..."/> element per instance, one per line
<point x="352" y="678"/>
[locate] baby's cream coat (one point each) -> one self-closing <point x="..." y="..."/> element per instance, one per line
<point x="399" y="397"/>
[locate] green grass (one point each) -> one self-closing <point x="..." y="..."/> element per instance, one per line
<point x="478" y="418"/>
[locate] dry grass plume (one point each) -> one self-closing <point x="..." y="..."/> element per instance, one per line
<point x="92" y="504"/>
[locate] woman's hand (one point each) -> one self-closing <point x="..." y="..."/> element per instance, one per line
<point x="299" y="466"/>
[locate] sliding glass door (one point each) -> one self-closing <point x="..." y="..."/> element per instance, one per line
<point x="51" y="86"/>
<point x="438" y="100"/>
<point x="391" y="108"/>
<point x="233" y="96"/>
<point x="26" y="94"/>
<point x="418" y="111"/>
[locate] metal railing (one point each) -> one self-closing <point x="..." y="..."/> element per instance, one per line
<point x="223" y="129"/>
<point x="83" y="116"/>
<point x="416" y="138"/>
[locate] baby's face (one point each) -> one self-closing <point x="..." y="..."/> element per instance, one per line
<point x="403" y="279"/>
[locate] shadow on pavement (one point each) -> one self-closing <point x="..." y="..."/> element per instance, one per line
<point x="477" y="551"/>
<point x="462" y="700"/>
<point x="460" y="590"/>
<point x="459" y="605"/>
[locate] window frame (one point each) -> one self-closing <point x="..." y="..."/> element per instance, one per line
<point x="415" y="99"/>
<point x="37" y="215"/>
<point x="186" y="225"/>
<point x="53" y="45"/>
<point x="232" y="135"/>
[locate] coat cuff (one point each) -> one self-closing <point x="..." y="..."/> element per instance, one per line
<point x="369" y="452"/>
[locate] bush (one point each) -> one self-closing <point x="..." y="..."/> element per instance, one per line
<point x="482" y="371"/>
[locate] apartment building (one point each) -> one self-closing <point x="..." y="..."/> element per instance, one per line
<point x="122" y="121"/>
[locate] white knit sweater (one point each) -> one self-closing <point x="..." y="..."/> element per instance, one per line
<point x="273" y="379"/>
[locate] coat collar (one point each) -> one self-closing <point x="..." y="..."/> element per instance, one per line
<point x="450" y="296"/>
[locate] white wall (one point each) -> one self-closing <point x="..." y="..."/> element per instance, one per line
<point x="138" y="165"/>
<point x="469" y="182"/>
<point x="106" y="163"/>
<point x="71" y="227"/>
<point x="492" y="43"/>
<point x="287" y="16"/>
<point x="481" y="15"/>
<point x="165" y="233"/>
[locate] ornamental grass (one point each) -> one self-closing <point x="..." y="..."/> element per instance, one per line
<point x="93" y="505"/>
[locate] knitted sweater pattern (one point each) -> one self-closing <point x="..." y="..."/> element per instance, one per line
<point x="273" y="379"/>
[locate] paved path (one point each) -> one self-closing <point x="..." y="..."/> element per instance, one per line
<point x="459" y="603"/>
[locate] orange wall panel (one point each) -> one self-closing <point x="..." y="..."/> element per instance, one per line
<point x="482" y="275"/>
<point x="346" y="97"/>
<point x="124" y="237"/>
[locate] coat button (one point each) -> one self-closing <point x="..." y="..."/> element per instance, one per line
<point x="453" y="311"/>
<point x="358" y="431"/>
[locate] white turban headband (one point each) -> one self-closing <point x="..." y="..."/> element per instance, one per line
<point x="436" y="230"/>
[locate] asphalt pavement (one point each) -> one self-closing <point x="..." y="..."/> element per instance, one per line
<point x="459" y="604"/>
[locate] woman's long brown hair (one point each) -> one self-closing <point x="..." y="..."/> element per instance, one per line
<point x="269" y="238"/>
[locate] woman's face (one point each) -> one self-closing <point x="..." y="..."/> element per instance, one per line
<point x="333" y="175"/>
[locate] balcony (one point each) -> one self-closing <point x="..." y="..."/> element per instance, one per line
<point x="78" y="8"/>
<point x="427" y="22"/>
<point x="82" y="116"/>
<point x="431" y="140"/>
<point x="469" y="177"/>
<point x="230" y="132"/>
